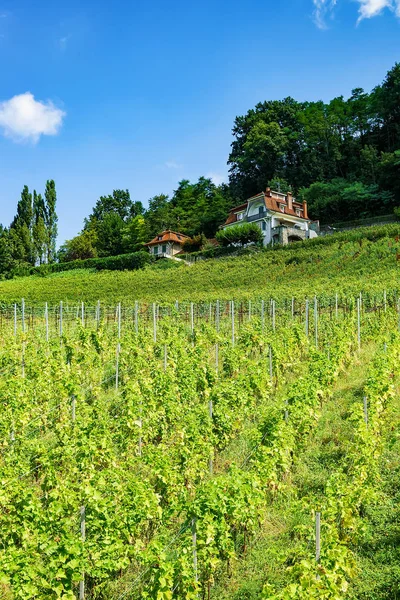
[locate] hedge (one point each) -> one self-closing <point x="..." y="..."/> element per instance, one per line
<point x="122" y="262"/>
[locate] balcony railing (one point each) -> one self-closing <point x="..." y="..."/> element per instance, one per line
<point x="256" y="217"/>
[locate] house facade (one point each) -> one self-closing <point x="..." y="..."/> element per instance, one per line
<point x="281" y="218"/>
<point x="166" y="244"/>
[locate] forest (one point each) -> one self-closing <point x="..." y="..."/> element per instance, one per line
<point x="343" y="157"/>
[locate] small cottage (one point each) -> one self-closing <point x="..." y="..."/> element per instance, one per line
<point x="167" y="244"/>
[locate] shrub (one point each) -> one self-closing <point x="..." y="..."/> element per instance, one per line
<point x="130" y="262"/>
<point x="246" y="233"/>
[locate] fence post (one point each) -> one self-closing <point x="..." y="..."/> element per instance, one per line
<point x="119" y="320"/>
<point x="233" y="321"/>
<point x="262" y="316"/>
<point x="316" y="321"/>
<point x="98" y="313"/>
<point x="358" y="323"/>
<point x="273" y="315"/>
<point x="117" y="366"/>
<point x="83" y="537"/>
<point x="217" y="316"/>
<point x="317" y="537"/>
<point x="154" y="322"/>
<point x="15" y="320"/>
<point x="61" y="319"/>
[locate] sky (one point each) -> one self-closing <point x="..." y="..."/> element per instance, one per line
<point x="138" y="95"/>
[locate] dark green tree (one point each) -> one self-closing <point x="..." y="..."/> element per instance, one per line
<point x="51" y="219"/>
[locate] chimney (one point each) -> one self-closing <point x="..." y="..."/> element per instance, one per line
<point x="289" y="200"/>
<point x="305" y="213"/>
<point x="268" y="192"/>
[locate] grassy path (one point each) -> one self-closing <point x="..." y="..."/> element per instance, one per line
<point x="320" y="456"/>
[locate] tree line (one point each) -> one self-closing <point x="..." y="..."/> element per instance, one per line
<point x="31" y="237"/>
<point x="343" y="157"/>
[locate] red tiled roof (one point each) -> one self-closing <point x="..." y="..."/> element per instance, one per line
<point x="168" y="236"/>
<point x="271" y="203"/>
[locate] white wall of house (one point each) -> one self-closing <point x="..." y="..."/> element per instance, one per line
<point x="169" y="248"/>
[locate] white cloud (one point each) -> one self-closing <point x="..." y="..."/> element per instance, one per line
<point x="216" y="178"/>
<point x="172" y="164"/>
<point x="367" y="9"/>
<point x="323" y="9"/>
<point x="372" y="8"/>
<point x="22" y="118"/>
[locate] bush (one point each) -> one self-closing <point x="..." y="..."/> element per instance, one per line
<point x="130" y="262"/>
<point x="246" y="233"/>
<point x="194" y="244"/>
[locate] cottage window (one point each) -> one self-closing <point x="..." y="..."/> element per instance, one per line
<point x="260" y="210"/>
<point x="159" y="238"/>
<point x="282" y="207"/>
<point x="298" y="213"/>
<point x="263" y="226"/>
<point x="164" y="248"/>
<point x="239" y="216"/>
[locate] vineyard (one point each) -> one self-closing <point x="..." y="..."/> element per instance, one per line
<point x="362" y="260"/>
<point x="220" y="449"/>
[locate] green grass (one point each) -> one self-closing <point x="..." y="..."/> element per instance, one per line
<point x="338" y="265"/>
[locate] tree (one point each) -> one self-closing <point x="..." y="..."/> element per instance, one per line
<point x="135" y="234"/>
<point x="51" y="219"/>
<point x="246" y="233"/>
<point x="78" y="248"/>
<point x="21" y="229"/>
<point x="159" y="214"/>
<point x="119" y="202"/>
<point x="39" y="230"/>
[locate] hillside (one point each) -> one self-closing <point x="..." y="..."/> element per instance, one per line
<point x="362" y="260"/>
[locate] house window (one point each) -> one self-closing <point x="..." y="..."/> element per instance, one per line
<point x="282" y="207"/>
<point x="164" y="248"/>
<point x="156" y="248"/>
<point x="159" y="238"/>
<point x="263" y="226"/>
<point x="298" y="213"/>
<point x="239" y="216"/>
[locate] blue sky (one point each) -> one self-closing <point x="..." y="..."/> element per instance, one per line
<point x="138" y="95"/>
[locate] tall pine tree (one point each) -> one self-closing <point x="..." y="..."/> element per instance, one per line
<point x="39" y="230"/>
<point x="21" y="229"/>
<point x="50" y="219"/>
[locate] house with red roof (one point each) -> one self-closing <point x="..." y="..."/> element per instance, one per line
<point x="281" y="218"/>
<point x="167" y="244"/>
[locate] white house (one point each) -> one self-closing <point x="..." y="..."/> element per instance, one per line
<point x="281" y="218"/>
<point x="167" y="244"/>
